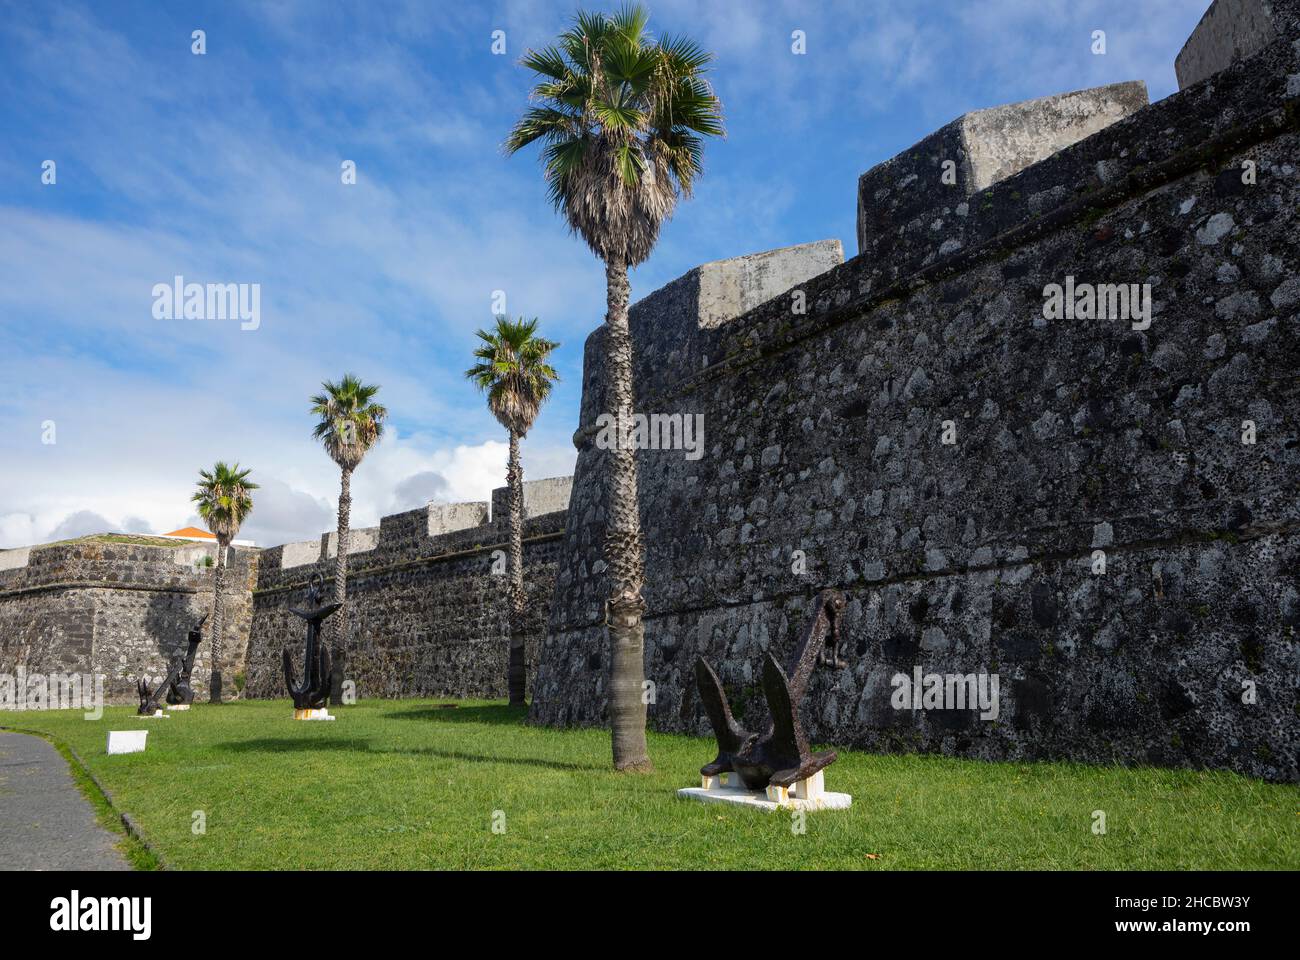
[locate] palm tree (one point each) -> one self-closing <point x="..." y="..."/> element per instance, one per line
<point x="513" y="372"/>
<point x="224" y="502"/>
<point x="350" y="424"/>
<point x="621" y="118"/>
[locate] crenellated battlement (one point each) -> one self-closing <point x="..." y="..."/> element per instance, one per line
<point x="426" y="592"/>
<point x="427" y="531"/>
<point x="1151" y="147"/>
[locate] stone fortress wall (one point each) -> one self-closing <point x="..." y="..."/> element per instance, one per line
<point x="427" y="613"/>
<point x="1075" y="441"/>
<point x="120" y="610"/>
<point x="826" y="388"/>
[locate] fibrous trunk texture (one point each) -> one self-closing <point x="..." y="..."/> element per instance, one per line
<point x="627" y="705"/>
<point x="340" y="631"/>
<point x="218" y="587"/>
<point x="516" y="679"/>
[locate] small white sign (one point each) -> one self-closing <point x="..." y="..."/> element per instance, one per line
<point x="126" y="741"/>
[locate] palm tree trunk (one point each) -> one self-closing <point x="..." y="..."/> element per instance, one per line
<point x="218" y="587"/>
<point x="339" y="654"/>
<point x="515" y="677"/>
<point x="623" y="544"/>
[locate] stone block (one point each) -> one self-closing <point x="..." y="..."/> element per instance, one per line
<point x="1231" y="31"/>
<point x="980" y="149"/>
<point x="12" y="559"/>
<point x="320" y="713"/>
<point x="360" y="540"/>
<point x="728" y="288"/>
<point x="813" y="788"/>
<point x="191" y="555"/>
<point x="540" y="497"/>
<point x="403" y="528"/>
<point x="299" y="554"/>
<point x="450" y="517"/>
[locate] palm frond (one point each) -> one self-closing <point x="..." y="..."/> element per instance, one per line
<point x="548" y="61"/>
<point x="684" y="55"/>
<point x="223" y="499"/>
<point x="514" y="371"/>
<point x="622" y="120"/>
<point x="350" y="422"/>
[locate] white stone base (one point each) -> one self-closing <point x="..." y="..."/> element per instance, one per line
<point x="807" y="794"/>
<point x="178" y="706"/>
<point x="127" y="741"/>
<point x="319" y="714"/>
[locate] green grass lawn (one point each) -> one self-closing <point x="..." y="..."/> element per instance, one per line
<point x="400" y="784"/>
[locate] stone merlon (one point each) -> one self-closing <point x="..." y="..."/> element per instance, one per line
<point x="540" y="497"/>
<point x="674" y="326"/>
<point x="1232" y="31"/>
<point x="926" y="184"/>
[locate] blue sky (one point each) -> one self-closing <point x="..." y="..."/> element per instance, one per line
<point x="226" y="168"/>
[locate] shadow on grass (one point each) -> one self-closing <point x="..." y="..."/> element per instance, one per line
<point x="497" y="713"/>
<point x="514" y="761"/>
<point x="282" y="745"/>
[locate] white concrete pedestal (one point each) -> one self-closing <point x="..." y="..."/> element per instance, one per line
<point x="320" y="713"/>
<point x="809" y="794"/>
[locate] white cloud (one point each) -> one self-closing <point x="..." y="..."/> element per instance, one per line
<point x="19" y="529"/>
<point x="79" y="524"/>
<point x="428" y="486"/>
<point x="282" y="514"/>
<point x="296" y="500"/>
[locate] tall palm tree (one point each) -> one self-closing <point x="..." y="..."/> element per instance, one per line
<point x="350" y="424"/>
<point x="224" y="501"/>
<point x="621" y="118"/>
<point x="513" y="371"/>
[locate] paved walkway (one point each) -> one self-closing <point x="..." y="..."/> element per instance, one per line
<point x="45" y="822"/>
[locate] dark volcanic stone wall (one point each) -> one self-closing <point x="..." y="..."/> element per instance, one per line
<point x="824" y="436"/>
<point x="119" y="610"/>
<point x="427" y="616"/>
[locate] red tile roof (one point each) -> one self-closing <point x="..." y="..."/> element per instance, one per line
<point x="190" y="532"/>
